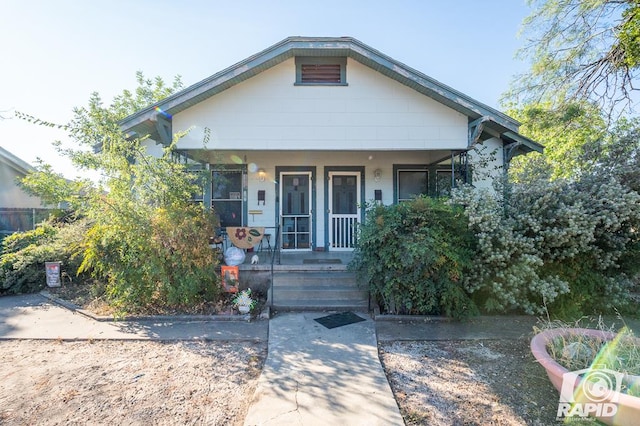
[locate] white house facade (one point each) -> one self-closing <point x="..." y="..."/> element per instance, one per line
<point x="13" y="168"/>
<point x="303" y="134"/>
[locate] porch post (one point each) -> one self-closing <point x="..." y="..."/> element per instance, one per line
<point x="206" y="199"/>
<point x="453" y="171"/>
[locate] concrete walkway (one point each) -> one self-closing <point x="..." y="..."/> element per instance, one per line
<point x="319" y="376"/>
<point x="35" y="317"/>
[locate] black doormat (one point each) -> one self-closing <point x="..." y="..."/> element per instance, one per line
<point x="320" y="261"/>
<point x="338" y="320"/>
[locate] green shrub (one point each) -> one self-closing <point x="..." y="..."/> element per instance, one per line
<point x="413" y="255"/>
<point x="22" y="262"/>
<point x="504" y="273"/>
<point x="154" y="260"/>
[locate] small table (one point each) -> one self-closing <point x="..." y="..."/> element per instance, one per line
<point x="268" y="238"/>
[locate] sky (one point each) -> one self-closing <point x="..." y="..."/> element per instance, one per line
<point x="55" y="53"/>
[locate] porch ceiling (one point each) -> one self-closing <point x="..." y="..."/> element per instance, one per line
<point x="224" y="156"/>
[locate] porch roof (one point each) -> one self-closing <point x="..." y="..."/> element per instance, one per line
<point x="153" y="119"/>
<point x="522" y="144"/>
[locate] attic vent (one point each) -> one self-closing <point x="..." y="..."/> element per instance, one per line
<point x="329" y="70"/>
<point x="320" y="73"/>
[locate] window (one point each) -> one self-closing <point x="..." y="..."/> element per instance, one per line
<point x="226" y="196"/>
<point x="321" y="71"/>
<point x="443" y="183"/>
<point x="412" y="183"/>
<point x="198" y="179"/>
<point x="433" y="180"/>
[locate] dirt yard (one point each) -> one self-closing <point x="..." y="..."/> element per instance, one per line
<point x="127" y="382"/>
<point x="211" y="383"/>
<point x="471" y="382"/>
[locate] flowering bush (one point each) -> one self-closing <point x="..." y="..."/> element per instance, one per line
<point x="571" y="246"/>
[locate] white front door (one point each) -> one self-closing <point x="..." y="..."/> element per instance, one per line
<point x="344" y="216"/>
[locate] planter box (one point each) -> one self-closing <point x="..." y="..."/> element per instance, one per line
<point x="627" y="411"/>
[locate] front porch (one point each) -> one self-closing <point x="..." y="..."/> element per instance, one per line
<point x="318" y="201"/>
<point x="297" y="260"/>
<point x="307" y="280"/>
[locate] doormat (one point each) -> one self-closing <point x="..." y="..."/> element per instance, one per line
<point x="320" y="261"/>
<point x="338" y="320"/>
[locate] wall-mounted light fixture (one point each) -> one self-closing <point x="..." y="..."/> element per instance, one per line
<point x="261" y="174"/>
<point x="377" y="174"/>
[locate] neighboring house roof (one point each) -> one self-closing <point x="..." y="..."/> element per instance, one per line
<point x="146" y="120"/>
<point x="14" y="162"/>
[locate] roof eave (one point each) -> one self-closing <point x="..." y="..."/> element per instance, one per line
<point x="15" y="163"/>
<point x="525" y="144"/>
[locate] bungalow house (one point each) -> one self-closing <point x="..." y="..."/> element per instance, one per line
<point x="19" y="211"/>
<point x="304" y="133"/>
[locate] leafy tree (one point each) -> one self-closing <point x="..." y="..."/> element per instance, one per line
<point x="579" y="50"/>
<point x="578" y="140"/>
<point x="565" y="131"/>
<point x="146" y="240"/>
<point x="617" y="154"/>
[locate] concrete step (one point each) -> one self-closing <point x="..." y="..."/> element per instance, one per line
<point x="323" y="305"/>
<point x="315" y="292"/>
<point x="317" y="278"/>
<point x="318" y="290"/>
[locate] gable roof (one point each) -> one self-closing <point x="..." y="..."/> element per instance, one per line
<point x="146" y="120"/>
<point x="14" y="162"/>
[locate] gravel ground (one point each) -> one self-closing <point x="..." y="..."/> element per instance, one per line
<point x="471" y="382"/>
<point x="127" y="382"/>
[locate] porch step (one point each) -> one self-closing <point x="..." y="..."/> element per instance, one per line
<point x="313" y="290"/>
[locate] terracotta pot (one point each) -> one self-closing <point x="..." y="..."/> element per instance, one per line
<point x="628" y="407"/>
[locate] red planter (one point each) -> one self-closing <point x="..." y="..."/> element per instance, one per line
<point x="628" y="407"/>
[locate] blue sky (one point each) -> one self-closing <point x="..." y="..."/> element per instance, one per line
<point x="54" y="53"/>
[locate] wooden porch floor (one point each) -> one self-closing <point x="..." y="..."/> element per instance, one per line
<point x="306" y="260"/>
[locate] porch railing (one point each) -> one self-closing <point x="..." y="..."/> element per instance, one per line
<point x="274" y="253"/>
<point x="343" y="231"/>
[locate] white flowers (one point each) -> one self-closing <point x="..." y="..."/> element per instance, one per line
<point x="530" y="233"/>
<point x="244" y="301"/>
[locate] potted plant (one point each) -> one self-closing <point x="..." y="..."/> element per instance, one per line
<point x="595" y="372"/>
<point x="244" y="302"/>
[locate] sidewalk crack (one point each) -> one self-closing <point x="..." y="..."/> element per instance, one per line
<point x="295" y="410"/>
